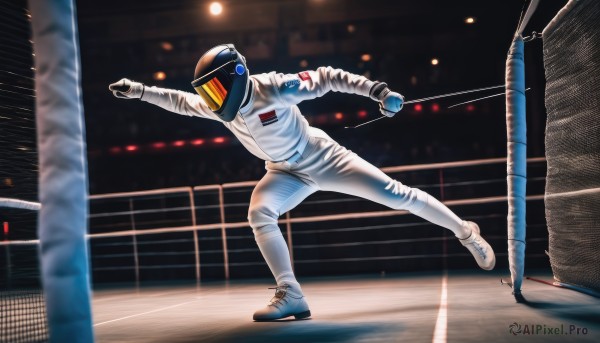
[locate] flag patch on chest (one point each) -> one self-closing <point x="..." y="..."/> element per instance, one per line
<point x="268" y="118"/>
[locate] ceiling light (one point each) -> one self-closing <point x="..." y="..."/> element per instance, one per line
<point x="216" y="8"/>
<point x="166" y="46"/>
<point x="159" y="75"/>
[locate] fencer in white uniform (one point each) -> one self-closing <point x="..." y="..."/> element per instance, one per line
<point x="261" y="111"/>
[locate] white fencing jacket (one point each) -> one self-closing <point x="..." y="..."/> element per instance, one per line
<point x="270" y="125"/>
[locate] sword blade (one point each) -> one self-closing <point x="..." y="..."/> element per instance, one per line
<point x="453" y="94"/>
<point x="431" y="98"/>
<point x="485" y="97"/>
<point x="359" y="125"/>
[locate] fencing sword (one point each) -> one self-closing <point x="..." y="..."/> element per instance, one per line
<point x="485" y="97"/>
<point x="431" y="98"/>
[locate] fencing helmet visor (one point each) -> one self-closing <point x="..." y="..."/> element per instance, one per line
<point x="221" y="79"/>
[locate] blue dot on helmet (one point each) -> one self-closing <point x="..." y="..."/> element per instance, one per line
<point x="240" y="69"/>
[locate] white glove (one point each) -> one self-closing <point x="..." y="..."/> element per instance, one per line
<point x="390" y="102"/>
<point x="127" y="89"/>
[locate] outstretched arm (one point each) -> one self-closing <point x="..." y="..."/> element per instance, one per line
<point x="295" y="88"/>
<point x="171" y="100"/>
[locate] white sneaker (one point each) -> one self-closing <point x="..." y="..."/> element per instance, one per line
<point x="283" y="304"/>
<point x="481" y="250"/>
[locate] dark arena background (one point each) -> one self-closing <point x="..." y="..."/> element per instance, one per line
<point x="163" y="251"/>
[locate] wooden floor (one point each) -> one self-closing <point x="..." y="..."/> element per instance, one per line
<point x="393" y="308"/>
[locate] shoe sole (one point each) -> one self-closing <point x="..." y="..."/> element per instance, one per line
<point x="301" y="315"/>
<point x="491" y="267"/>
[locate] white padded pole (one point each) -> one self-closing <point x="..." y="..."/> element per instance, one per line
<point x="517" y="161"/>
<point x="63" y="171"/>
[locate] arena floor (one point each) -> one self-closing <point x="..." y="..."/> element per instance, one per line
<point x="398" y="308"/>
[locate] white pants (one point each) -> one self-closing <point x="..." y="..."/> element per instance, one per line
<point x="326" y="165"/>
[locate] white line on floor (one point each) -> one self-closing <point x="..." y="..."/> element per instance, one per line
<point x="440" y="333"/>
<point x="141" y="314"/>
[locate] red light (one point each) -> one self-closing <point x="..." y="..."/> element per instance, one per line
<point x="339" y="115"/>
<point x="159" y="145"/>
<point x="5" y="228"/>
<point x="179" y="143"/>
<point x="198" y="142"/>
<point x="470" y="108"/>
<point x="219" y="140"/>
<point x="131" y="148"/>
<point x="362" y="113"/>
<point x="115" y="150"/>
<point x="435" y="108"/>
<point x="418" y="107"/>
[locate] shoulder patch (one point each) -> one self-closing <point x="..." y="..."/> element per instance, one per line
<point x="304" y="75"/>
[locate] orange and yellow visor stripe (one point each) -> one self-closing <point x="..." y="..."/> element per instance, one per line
<point x="213" y="93"/>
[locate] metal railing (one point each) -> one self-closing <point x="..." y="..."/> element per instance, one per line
<point x="172" y="212"/>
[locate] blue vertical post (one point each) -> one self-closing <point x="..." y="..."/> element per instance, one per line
<point x="63" y="172"/>
<point x="517" y="161"/>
